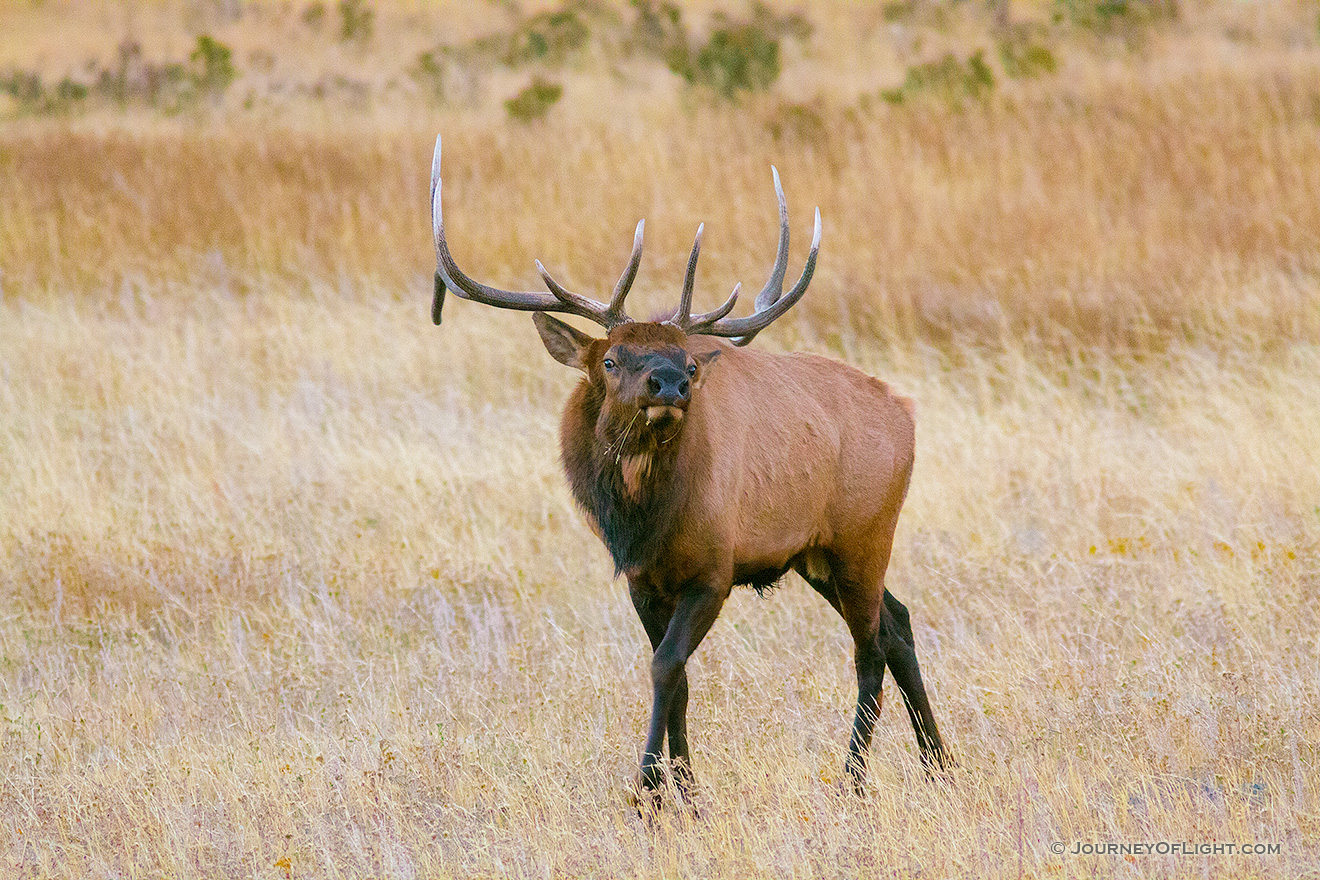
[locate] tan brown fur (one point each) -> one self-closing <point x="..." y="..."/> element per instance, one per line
<point x="779" y="462"/>
<point x="635" y="469"/>
<point x="702" y="465"/>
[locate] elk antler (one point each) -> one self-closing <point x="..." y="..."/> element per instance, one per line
<point x="448" y="275"/>
<point x="771" y="302"/>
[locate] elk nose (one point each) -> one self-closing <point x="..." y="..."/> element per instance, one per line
<point x="670" y="386"/>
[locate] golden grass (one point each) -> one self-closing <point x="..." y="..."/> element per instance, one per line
<point x="1132" y="214"/>
<point x="292" y="585"/>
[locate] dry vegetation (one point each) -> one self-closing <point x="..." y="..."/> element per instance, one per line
<point x="292" y="585"/>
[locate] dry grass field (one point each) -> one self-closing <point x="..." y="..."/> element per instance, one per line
<point x="292" y="585"/>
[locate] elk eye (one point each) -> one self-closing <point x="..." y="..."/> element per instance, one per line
<point x="692" y="369"/>
<point x="609" y="364"/>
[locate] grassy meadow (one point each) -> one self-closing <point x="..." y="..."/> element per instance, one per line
<point x="292" y="584"/>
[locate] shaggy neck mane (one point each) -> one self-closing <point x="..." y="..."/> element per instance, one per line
<point x="632" y="487"/>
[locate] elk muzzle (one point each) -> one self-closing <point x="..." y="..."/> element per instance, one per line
<point x="667" y="393"/>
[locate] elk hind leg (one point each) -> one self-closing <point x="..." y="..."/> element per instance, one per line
<point x="900" y="653"/>
<point x="870" y="663"/>
<point x="861" y="611"/>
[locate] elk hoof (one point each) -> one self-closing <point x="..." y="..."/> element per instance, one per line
<point x="854" y="780"/>
<point x="646" y="801"/>
<point x="938" y="764"/>
<point x="851" y="786"/>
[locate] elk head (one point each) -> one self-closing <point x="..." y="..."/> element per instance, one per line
<point x="643" y="376"/>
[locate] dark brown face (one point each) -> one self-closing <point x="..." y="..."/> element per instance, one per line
<point x="644" y="369"/>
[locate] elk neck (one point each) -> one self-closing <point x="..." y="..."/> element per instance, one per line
<point x="628" y="476"/>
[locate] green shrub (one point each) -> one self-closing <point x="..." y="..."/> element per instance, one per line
<point x="935" y="14"/>
<point x="548" y="37"/>
<point x="898" y="10"/>
<point x="428" y="71"/>
<point x="790" y="24"/>
<point x="1023" y="58"/>
<point x="1113" y="16"/>
<point x="658" y="30"/>
<point x="212" y="67"/>
<point x="534" y="101"/>
<point x="739" y="56"/>
<point x="314" y="14"/>
<point x="656" y="25"/>
<point x="70" y="92"/>
<point x="356" y="21"/>
<point x="800" y="122"/>
<point x="131" y="79"/>
<point x="26" y="88"/>
<point x="947" y="79"/>
<point x="168" y="86"/>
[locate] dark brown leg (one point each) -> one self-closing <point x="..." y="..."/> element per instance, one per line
<point x="655" y="615"/>
<point x="870" y="663"/>
<point x="870" y="678"/>
<point x="824" y="586"/>
<point x="901" y="655"/>
<point x="693" y="613"/>
<point x="861" y="611"/>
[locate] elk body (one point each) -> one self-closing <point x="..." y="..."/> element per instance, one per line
<point x="703" y="465"/>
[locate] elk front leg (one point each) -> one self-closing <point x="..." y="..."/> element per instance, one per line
<point x="694" y="612"/>
<point x="870" y="678"/>
<point x="655" y="613"/>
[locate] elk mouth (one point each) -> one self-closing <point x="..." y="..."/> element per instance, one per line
<point x="661" y="414"/>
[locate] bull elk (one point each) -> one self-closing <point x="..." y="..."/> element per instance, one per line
<point x="703" y="465"/>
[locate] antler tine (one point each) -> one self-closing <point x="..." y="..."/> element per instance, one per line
<point x="683" y="317"/>
<point x="771" y="302"/>
<point x="438" y="228"/>
<point x="453" y="277"/>
<point x="774" y="286"/>
<point x="748" y="327"/>
<point x="699" y="323"/>
<point x="576" y="304"/>
<point x="614" y="314"/>
<point x="745" y="329"/>
<point x="558" y="300"/>
<point x="629" y="273"/>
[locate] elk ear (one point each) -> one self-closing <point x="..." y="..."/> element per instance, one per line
<point x="566" y="344"/>
<point x="705" y="361"/>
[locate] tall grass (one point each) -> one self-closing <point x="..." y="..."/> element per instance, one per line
<point x="1128" y="214"/>
<point x="292" y="585"/>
